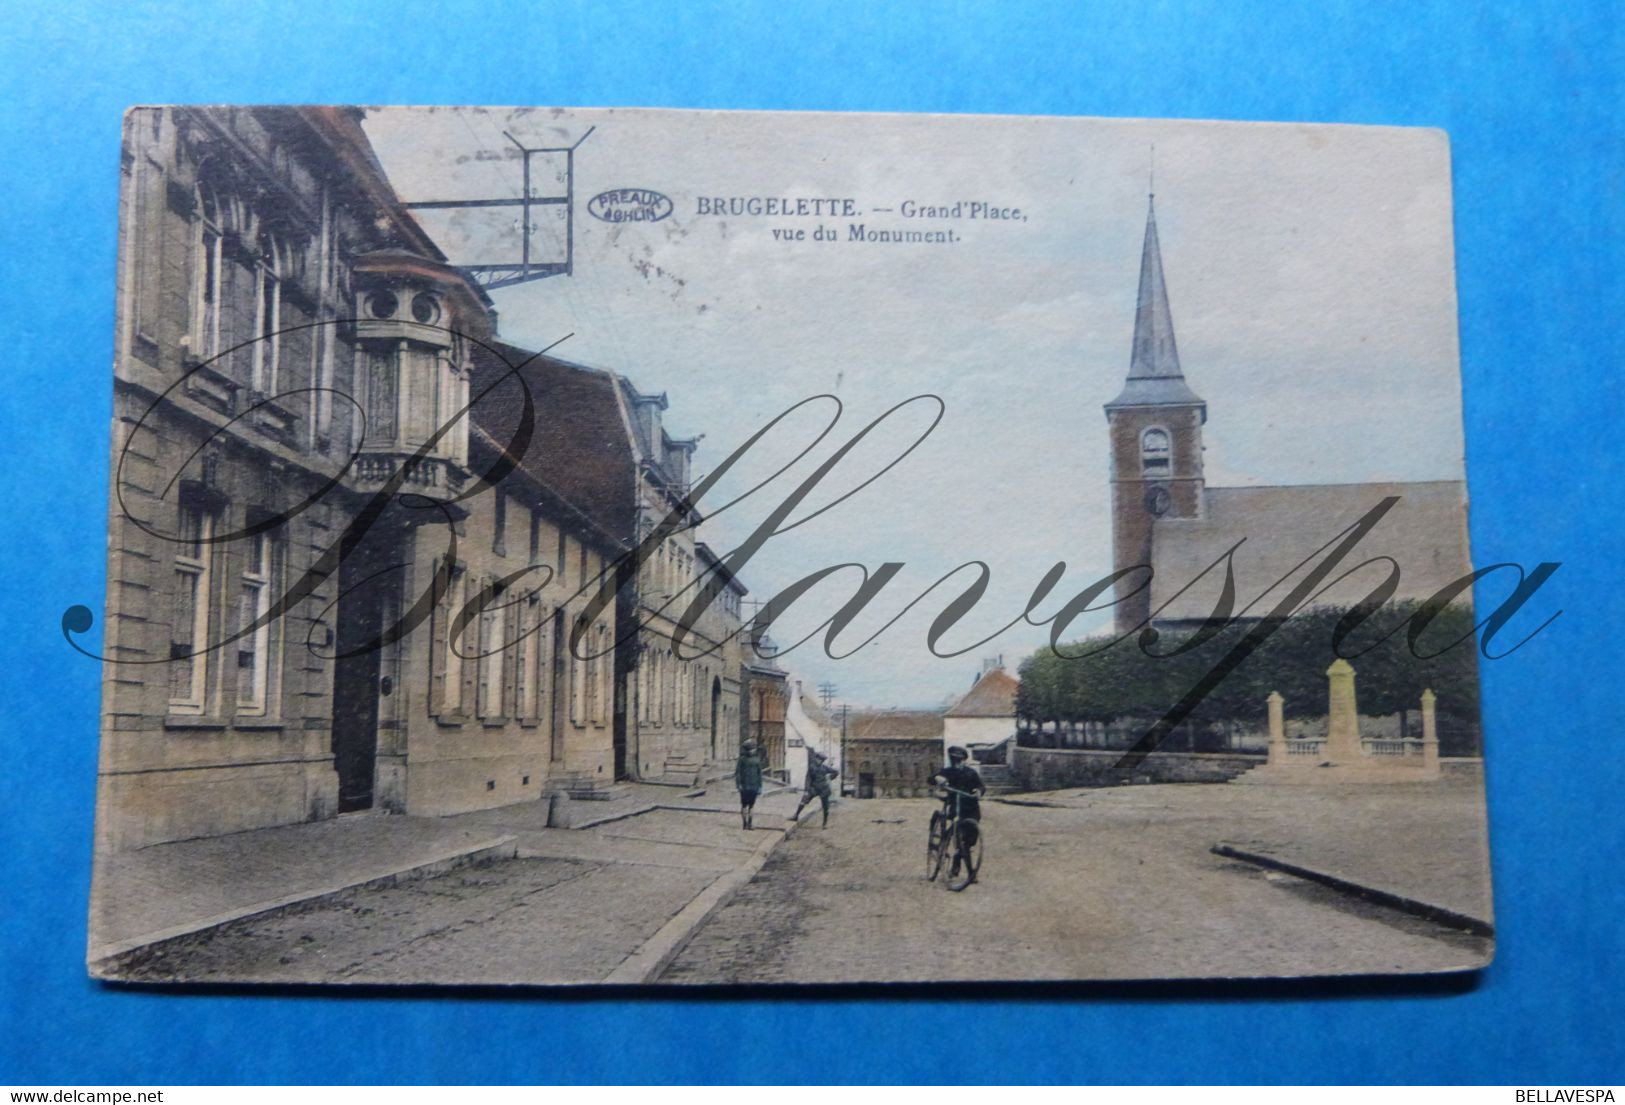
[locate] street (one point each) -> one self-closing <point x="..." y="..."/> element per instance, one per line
<point x="571" y="908"/>
<point x="1087" y="884"/>
<point x="1118" y="884"/>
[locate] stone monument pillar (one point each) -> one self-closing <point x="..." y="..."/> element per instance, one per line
<point x="1430" y="733"/>
<point x="1343" y="717"/>
<point x="1277" y="727"/>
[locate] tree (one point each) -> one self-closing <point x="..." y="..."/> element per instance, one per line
<point x="1397" y="650"/>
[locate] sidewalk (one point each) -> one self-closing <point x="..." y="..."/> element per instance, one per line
<point x="166" y="890"/>
<point x="647" y="869"/>
<point x="1427" y="856"/>
<point x="633" y="819"/>
<point x="1419" y="843"/>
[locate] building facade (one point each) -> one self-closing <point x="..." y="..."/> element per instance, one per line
<point x="687" y="686"/>
<point x="343" y="573"/>
<point x="894" y="753"/>
<point x="766" y="689"/>
<point x="723" y="621"/>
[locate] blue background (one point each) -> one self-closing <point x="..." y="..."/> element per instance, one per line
<point x="1531" y="100"/>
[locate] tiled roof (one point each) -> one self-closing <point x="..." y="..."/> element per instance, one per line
<point x="579" y="447"/>
<point x="894" y="725"/>
<point x="1425" y="533"/>
<point x="993" y="695"/>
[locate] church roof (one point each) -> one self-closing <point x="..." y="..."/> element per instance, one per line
<point x="1425" y="533"/>
<point x="993" y="695"/>
<point x="1154" y="375"/>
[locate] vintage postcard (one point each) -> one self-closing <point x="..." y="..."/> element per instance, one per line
<point x="613" y="546"/>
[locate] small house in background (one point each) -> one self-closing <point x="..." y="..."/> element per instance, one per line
<point x="986" y="716"/>
<point x="894" y="753"/>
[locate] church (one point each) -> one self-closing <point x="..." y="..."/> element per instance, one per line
<point x="1166" y="517"/>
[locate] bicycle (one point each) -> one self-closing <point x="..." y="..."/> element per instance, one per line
<point x="946" y="826"/>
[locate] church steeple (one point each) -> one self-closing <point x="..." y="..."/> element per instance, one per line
<point x="1155" y="428"/>
<point x="1154" y="375"/>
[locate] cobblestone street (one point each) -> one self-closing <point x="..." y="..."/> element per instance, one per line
<point x="536" y="920"/>
<point x="572" y="907"/>
<point x="1085" y="884"/>
<point x="1108" y="884"/>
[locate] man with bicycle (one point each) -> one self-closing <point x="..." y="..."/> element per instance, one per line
<point x="961" y="777"/>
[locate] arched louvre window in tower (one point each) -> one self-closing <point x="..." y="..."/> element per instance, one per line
<point x="1154" y="452"/>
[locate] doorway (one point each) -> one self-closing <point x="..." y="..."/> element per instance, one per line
<point x="716" y="708"/>
<point x="558" y="689"/>
<point x="618" y="728"/>
<point x="356" y="680"/>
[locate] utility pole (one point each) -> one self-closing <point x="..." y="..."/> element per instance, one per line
<point x="826" y="694"/>
<point x="846" y="768"/>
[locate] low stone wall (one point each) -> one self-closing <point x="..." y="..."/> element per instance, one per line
<point x="1052" y="768"/>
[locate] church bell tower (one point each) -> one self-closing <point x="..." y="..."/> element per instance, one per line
<point x="1155" y="428"/>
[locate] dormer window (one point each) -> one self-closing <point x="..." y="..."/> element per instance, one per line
<point x="1155" y="452"/>
<point x="383" y="304"/>
<point x="425" y="308"/>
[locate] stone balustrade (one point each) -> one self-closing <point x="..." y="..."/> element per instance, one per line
<point x="1343" y="746"/>
<point x="433" y="476"/>
<point x="1391" y="746"/>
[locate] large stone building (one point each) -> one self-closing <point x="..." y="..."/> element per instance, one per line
<point x="344" y="573"/>
<point x="687" y="687"/>
<point x="567" y="508"/>
<point x="1165" y="516"/>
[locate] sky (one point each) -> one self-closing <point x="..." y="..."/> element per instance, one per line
<point x="1310" y="275"/>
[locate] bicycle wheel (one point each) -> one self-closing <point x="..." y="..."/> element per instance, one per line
<point x="936" y="847"/>
<point x="967" y="858"/>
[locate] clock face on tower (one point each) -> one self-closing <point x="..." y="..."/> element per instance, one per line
<point x="1157" y="501"/>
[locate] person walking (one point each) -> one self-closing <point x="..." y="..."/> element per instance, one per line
<point x="819" y="773"/>
<point x="748" y="778"/>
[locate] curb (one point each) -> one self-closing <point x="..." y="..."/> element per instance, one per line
<point x="657" y="952"/>
<point x="612" y="817"/>
<point x="1414" y="906"/>
<point x="1000" y="800"/>
<point x="100" y="961"/>
<point x="650" y="807"/>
